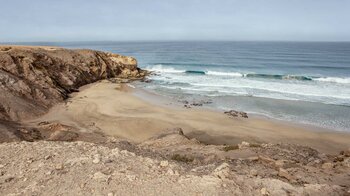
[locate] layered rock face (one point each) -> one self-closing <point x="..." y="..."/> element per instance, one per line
<point x="32" y="79"/>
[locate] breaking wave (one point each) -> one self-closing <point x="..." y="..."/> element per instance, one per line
<point x="162" y="69"/>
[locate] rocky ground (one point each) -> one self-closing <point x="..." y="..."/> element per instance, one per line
<point x="169" y="164"/>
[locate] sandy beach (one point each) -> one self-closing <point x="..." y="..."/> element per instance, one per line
<point x="118" y="110"/>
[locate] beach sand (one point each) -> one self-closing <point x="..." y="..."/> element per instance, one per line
<point x="115" y="110"/>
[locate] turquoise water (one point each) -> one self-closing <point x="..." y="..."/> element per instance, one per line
<point x="307" y="82"/>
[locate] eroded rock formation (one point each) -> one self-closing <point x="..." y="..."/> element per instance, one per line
<point x="32" y="79"/>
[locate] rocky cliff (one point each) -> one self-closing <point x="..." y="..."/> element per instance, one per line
<point x="32" y="79"/>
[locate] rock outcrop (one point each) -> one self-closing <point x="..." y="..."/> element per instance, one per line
<point x="32" y="79"/>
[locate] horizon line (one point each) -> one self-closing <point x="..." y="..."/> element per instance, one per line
<point x="126" y="41"/>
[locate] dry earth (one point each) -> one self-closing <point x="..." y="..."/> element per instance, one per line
<point x="170" y="164"/>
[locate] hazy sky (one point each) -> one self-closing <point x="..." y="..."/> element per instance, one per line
<point x="94" y="20"/>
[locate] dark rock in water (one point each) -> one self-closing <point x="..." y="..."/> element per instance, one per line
<point x="187" y="104"/>
<point x="234" y="113"/>
<point x="196" y="104"/>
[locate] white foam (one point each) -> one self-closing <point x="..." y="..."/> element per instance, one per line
<point x="161" y="69"/>
<point x="334" y="79"/>
<point x="130" y="85"/>
<point x="217" y="73"/>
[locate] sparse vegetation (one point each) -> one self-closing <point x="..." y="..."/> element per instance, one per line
<point x="230" y="147"/>
<point x="255" y="145"/>
<point x="182" y="158"/>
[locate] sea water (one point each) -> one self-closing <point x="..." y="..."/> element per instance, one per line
<point x="304" y="82"/>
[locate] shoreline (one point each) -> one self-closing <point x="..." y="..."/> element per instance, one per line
<point x="116" y="110"/>
<point x="173" y="103"/>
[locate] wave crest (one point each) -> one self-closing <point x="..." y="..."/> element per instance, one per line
<point x="161" y="69"/>
<point x="334" y="79"/>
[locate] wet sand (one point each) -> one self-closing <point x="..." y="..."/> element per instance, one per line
<point x="118" y="110"/>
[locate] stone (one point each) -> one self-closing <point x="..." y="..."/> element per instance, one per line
<point x="346" y="162"/>
<point x="47" y="157"/>
<point x="96" y="160"/>
<point x="266" y="160"/>
<point x="285" y="174"/>
<point x="223" y="171"/>
<point x="346" y="153"/>
<point x="255" y="158"/>
<point x="253" y="172"/>
<point x="9" y="179"/>
<point x="327" y="165"/>
<point x="99" y="176"/>
<point x="131" y="177"/>
<point x="280" y="163"/>
<point x="59" y="167"/>
<point x="170" y="172"/>
<point x="264" y="192"/>
<point x="244" y="144"/>
<point x="164" y="163"/>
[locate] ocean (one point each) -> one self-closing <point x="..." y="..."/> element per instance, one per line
<point x="303" y="82"/>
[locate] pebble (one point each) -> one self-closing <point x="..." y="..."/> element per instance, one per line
<point x="131" y="177"/>
<point x="100" y="176"/>
<point x="255" y="158"/>
<point x="264" y="192"/>
<point x="253" y="172"/>
<point x="327" y="166"/>
<point x="2" y="166"/>
<point x="284" y="173"/>
<point x="97" y="158"/>
<point x="244" y="144"/>
<point x="9" y="179"/>
<point x="279" y="163"/>
<point x="59" y="167"/>
<point x="171" y="172"/>
<point x="164" y="163"/>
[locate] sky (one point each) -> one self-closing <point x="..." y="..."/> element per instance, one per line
<point x="153" y="20"/>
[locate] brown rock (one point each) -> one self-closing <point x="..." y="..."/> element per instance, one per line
<point x="264" y="192"/>
<point x="285" y="174"/>
<point x="346" y="162"/>
<point x="346" y="153"/>
<point x="234" y="113"/>
<point x="327" y="165"/>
